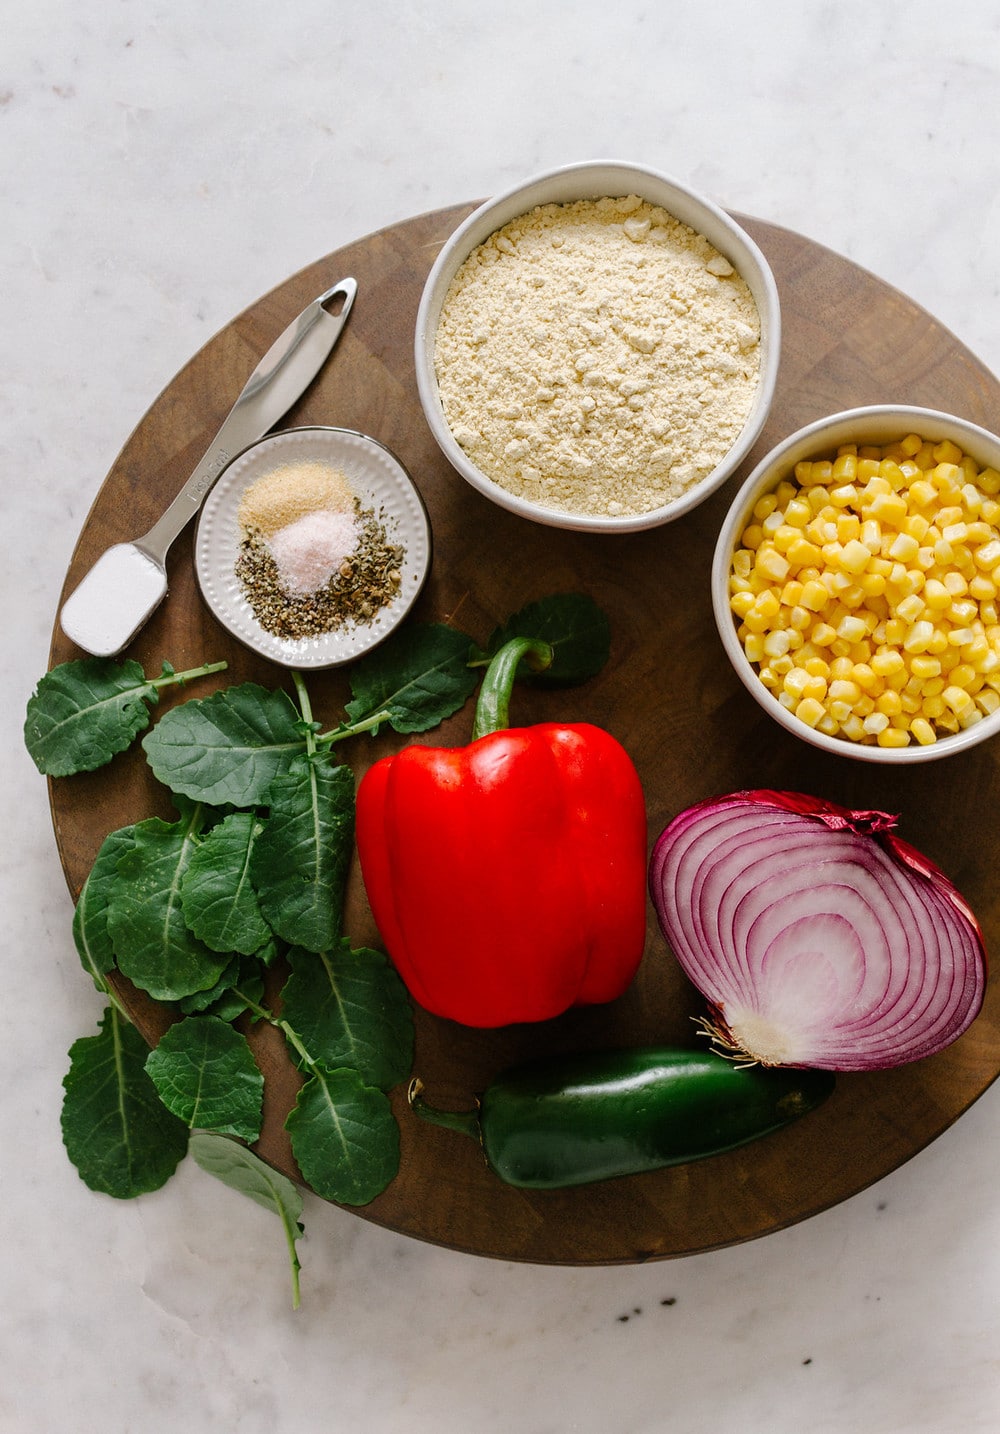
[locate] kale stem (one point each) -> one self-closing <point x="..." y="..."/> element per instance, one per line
<point x="305" y="707"/>
<point x="262" y="1013"/>
<point x="171" y="679"/>
<point x="350" y="729"/>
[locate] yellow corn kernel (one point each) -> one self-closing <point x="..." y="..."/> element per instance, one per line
<point x="797" y="512"/>
<point x="772" y="564"/>
<point x="864" y="676"/>
<point x="911" y="608"/>
<point x="855" y="556"/>
<point x="851" y="628"/>
<point x="989" y="481"/>
<point x="988" y="700"/>
<point x="845" y="467"/>
<point x="947" y="452"/>
<point x="977" y="652"/>
<point x="919" y="636"/>
<point x="776" y="644"/>
<point x="885" y="663"/>
<point x="934" y="708"/>
<point x="815" y="596"/>
<point x="957" y="700"/>
<point x="893" y="737"/>
<point x="922" y="730"/>
<point x="756" y="621"/>
<point x="875" y="723"/>
<point x="887" y="508"/>
<point x="916" y="526"/>
<point x="783" y="536"/>
<point x="753" y="646"/>
<point x="803" y="554"/>
<point x="987" y="556"/>
<point x="843" y="495"/>
<point x="889" y="702"/>
<point x="823" y="635"/>
<point x="924" y="667"/>
<point x="796" y="682"/>
<point x="872" y="585"/>
<point x="956" y="584"/>
<point x="922" y="493"/>
<point x="982" y="588"/>
<point x="809" y="711"/>
<point x="964" y="675"/>
<point x="936" y="595"/>
<point x="871" y="535"/>
<point x="959" y="636"/>
<point x="752" y="536"/>
<point x="845" y="690"/>
<point x="815" y="665"/>
<point x="742" y="565"/>
<point x="904" y="548"/>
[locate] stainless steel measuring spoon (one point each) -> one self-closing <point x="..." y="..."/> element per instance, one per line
<point x="129" y="580"/>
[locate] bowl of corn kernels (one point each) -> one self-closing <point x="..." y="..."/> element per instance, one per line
<point x="856" y="584"/>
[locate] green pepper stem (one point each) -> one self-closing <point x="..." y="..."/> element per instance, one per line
<point x="493" y="703"/>
<point x="465" y="1121"/>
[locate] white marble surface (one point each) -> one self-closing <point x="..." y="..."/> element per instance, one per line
<point x="164" y="165"/>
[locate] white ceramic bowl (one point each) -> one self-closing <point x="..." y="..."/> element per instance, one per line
<point x="597" y="180"/>
<point x="878" y="425"/>
<point x="381" y="484"/>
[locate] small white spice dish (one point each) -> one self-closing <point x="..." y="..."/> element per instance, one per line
<point x="599" y="180"/>
<point x="879" y="426"/>
<point x="380" y="483"/>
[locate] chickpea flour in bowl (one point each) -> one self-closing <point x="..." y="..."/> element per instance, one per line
<point x="597" y="348"/>
<point x="312" y="546"/>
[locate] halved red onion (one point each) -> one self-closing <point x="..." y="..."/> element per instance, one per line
<point x="817" y="936"/>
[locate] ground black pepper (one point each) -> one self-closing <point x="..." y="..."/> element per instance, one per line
<point x="367" y="582"/>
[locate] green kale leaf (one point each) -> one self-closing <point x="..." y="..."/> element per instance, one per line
<point x="117" y="1132"/>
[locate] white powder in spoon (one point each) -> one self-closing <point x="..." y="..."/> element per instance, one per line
<point x="310" y="550"/>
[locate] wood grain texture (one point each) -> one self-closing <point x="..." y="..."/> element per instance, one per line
<point x="667" y="693"/>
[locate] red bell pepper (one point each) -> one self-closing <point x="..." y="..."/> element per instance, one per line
<point x="507" y="878"/>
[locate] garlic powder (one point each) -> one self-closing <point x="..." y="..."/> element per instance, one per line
<point x="598" y="357"/>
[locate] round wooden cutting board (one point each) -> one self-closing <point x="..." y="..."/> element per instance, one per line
<point x="668" y="693"/>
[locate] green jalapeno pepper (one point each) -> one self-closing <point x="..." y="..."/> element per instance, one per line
<point x="571" y="1121"/>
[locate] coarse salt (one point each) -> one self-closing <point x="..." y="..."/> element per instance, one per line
<point x="309" y="551"/>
